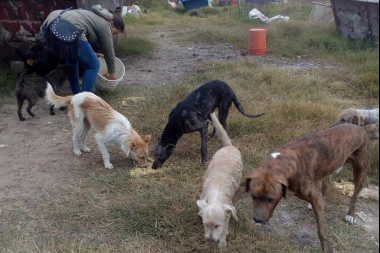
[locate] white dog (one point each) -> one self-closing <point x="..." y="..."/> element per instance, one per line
<point x="222" y="180"/>
<point x="359" y="117"/>
<point x="86" y="111"/>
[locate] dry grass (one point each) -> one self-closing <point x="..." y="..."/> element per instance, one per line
<point x="140" y="210"/>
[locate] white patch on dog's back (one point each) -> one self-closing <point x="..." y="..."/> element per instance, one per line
<point x="275" y="155"/>
<point x="79" y="99"/>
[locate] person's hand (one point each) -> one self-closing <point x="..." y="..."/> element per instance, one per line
<point x="99" y="55"/>
<point x="112" y="77"/>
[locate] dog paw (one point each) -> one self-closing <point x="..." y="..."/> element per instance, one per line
<point x="22" y="119"/>
<point x="52" y="113"/>
<point x="109" y="166"/>
<point x="86" y="150"/>
<point x="350" y="220"/>
<point x="222" y="245"/>
<point x="77" y="152"/>
<point x="310" y="207"/>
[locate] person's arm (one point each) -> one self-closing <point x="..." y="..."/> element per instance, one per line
<point x="106" y="44"/>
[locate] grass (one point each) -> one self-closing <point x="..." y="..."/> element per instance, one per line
<point x="134" y="46"/>
<point x="140" y="210"/>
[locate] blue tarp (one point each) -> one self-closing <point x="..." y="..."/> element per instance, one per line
<point x="194" y="4"/>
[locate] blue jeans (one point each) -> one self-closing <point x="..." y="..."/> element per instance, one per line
<point x="90" y="62"/>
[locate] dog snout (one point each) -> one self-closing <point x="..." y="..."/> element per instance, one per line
<point x="336" y="124"/>
<point x="155" y="166"/>
<point x="258" y="220"/>
<point x="211" y="240"/>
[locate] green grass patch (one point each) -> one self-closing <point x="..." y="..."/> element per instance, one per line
<point x="134" y="45"/>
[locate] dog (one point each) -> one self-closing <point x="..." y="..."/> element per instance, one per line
<point x="303" y="166"/>
<point x="359" y="117"/>
<point x="39" y="59"/>
<point x="223" y="178"/>
<point x="192" y="115"/>
<point x="86" y="111"/>
<point x="31" y="88"/>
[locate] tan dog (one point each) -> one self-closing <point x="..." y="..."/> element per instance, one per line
<point x="86" y="111"/>
<point x="304" y="165"/>
<point x="359" y="117"/>
<point x="222" y="180"/>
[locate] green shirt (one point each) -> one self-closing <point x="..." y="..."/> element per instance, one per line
<point x="95" y="29"/>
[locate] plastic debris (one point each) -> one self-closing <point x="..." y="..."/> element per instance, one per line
<point x="256" y="14"/>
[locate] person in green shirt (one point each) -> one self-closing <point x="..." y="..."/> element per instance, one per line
<point x="98" y="26"/>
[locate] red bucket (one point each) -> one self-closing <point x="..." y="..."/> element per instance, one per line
<point x="257" y="41"/>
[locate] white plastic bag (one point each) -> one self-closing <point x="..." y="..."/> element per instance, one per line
<point x="256" y="14"/>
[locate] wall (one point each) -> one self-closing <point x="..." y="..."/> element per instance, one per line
<point x="357" y="19"/>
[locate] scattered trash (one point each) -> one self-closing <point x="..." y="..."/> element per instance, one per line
<point x="194" y="4"/>
<point x="256" y="14"/>
<point x="322" y="13"/>
<point x="174" y="5"/>
<point x="134" y="11"/>
<point x="201" y="70"/>
<point x="3" y="146"/>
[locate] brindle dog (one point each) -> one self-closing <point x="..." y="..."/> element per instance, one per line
<point x="304" y="165"/>
<point x="192" y="115"/>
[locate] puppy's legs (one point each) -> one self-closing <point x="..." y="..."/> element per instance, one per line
<point x="52" y="112"/>
<point x="204" y="138"/>
<point x="103" y="149"/>
<point x="20" y="103"/>
<point x="223" y="238"/>
<point x="32" y="103"/>
<point x="318" y="206"/>
<point x="77" y="132"/>
<point x="224" y="110"/>
<point x="360" y="174"/>
<point x="83" y="137"/>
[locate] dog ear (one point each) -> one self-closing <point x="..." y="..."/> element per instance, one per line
<point x="202" y="204"/>
<point x="133" y="146"/>
<point x="147" y="138"/>
<point x="232" y="211"/>
<point x="284" y="182"/>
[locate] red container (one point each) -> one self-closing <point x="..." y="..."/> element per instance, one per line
<point x="257" y="41"/>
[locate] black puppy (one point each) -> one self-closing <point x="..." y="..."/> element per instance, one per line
<point x="30" y="88"/>
<point x="192" y="115"/>
<point x="39" y="59"/>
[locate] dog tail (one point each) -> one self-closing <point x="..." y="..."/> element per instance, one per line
<point x="373" y="131"/>
<point x="220" y="131"/>
<point x="242" y="111"/>
<point x="55" y="100"/>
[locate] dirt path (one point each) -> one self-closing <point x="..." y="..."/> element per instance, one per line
<point x="173" y="61"/>
<point x="36" y="155"/>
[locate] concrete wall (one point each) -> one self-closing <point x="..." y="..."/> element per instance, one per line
<point x="357" y="19"/>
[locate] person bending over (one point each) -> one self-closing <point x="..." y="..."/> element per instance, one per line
<point x="97" y="26"/>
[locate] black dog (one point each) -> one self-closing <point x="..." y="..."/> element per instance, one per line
<point x="30" y="88"/>
<point x="192" y="115"/>
<point x="39" y="59"/>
